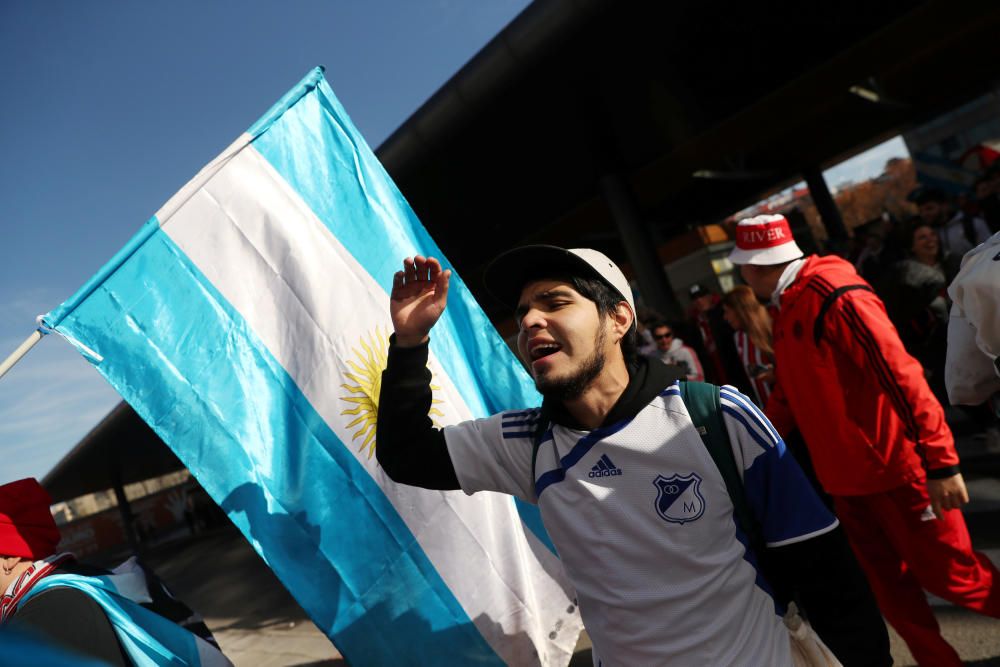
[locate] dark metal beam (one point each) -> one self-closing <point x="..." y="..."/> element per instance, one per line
<point x="639" y="246"/>
<point x="825" y="205"/>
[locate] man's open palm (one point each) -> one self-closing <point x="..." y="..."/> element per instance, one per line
<point x="419" y="295"/>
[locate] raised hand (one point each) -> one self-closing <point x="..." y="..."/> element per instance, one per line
<point x="419" y="295"/>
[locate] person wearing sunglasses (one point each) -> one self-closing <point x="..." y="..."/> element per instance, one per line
<point x="671" y="350"/>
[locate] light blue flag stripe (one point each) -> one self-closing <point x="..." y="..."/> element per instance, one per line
<point x="148" y="638"/>
<point x="489" y="378"/>
<point x="151" y="315"/>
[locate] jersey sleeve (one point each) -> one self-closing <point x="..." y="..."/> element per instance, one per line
<point x="972" y="373"/>
<point x="781" y="498"/>
<point x="974" y="292"/>
<point x="407" y="445"/>
<point x="494" y="454"/>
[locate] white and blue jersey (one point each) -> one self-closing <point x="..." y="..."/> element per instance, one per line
<point x="644" y="525"/>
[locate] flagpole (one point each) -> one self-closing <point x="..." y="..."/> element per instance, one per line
<point x="22" y="350"/>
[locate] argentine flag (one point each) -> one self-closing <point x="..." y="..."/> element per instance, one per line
<point x="247" y="322"/>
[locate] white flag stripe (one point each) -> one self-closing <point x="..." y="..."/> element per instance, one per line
<point x="203" y="175"/>
<point x="292" y="289"/>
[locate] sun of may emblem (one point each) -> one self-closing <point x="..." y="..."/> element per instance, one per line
<point x="366" y="374"/>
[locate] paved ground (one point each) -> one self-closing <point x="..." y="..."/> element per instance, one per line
<point x="975" y="637"/>
<point x="258" y="623"/>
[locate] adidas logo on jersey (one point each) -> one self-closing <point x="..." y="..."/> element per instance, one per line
<point x="604" y="468"/>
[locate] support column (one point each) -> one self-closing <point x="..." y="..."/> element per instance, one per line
<point x="124" y="508"/>
<point x="639" y="247"/>
<point x="826" y="206"/>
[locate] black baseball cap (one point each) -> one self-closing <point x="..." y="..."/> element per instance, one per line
<point x="508" y="273"/>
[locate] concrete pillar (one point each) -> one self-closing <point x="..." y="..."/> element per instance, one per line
<point x="124" y="508"/>
<point x="639" y="246"/>
<point x="826" y="206"/>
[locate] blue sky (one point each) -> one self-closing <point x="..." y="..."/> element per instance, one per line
<point x="865" y="165"/>
<point x="110" y="107"/>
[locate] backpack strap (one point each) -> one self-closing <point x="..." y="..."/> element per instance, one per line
<point x="705" y="407"/>
<point x="828" y="302"/>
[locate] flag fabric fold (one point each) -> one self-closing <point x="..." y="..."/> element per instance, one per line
<point x="247" y="322"/>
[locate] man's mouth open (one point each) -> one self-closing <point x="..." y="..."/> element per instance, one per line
<point x="541" y="354"/>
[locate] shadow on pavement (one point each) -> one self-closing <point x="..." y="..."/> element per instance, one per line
<point x="222" y="577"/>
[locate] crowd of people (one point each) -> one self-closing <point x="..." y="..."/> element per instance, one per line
<point x="807" y="350"/>
<point x="729" y="334"/>
<point x="875" y="432"/>
<point x="706" y="541"/>
<point x="692" y="533"/>
<point x="864" y="344"/>
<point x="909" y="264"/>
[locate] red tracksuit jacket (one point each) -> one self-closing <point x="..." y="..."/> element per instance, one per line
<point x="860" y="401"/>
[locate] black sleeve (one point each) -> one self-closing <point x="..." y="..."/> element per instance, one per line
<point x="407" y="446"/>
<point x="832" y="591"/>
<point x="72" y="620"/>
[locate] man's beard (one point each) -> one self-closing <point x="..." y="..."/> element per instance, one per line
<point x="572" y="387"/>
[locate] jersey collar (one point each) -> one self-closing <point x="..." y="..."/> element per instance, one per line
<point x="788" y="276"/>
<point x="647" y="378"/>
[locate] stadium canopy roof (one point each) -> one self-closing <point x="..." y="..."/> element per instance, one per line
<point x="121" y="448"/>
<point x="698" y="108"/>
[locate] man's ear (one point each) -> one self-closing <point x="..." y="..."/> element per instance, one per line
<point x="622" y="320"/>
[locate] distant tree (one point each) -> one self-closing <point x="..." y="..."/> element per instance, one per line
<point x="899" y="179"/>
<point x="864" y="201"/>
<point x="861" y="202"/>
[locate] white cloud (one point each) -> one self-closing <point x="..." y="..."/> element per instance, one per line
<point x="866" y="165"/>
<point x="50" y="399"/>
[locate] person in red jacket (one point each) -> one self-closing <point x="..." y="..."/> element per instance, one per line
<point x="875" y="432"/>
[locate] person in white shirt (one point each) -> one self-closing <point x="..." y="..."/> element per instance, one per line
<point x="629" y="494"/>
<point x="972" y="372"/>
<point x="671" y="350"/>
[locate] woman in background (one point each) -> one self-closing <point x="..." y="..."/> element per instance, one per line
<point x="752" y="326"/>
<point x="920" y="309"/>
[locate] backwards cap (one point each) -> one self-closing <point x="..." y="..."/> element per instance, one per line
<point x="27" y="528"/>
<point x="764" y="240"/>
<point x="507" y="275"/>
